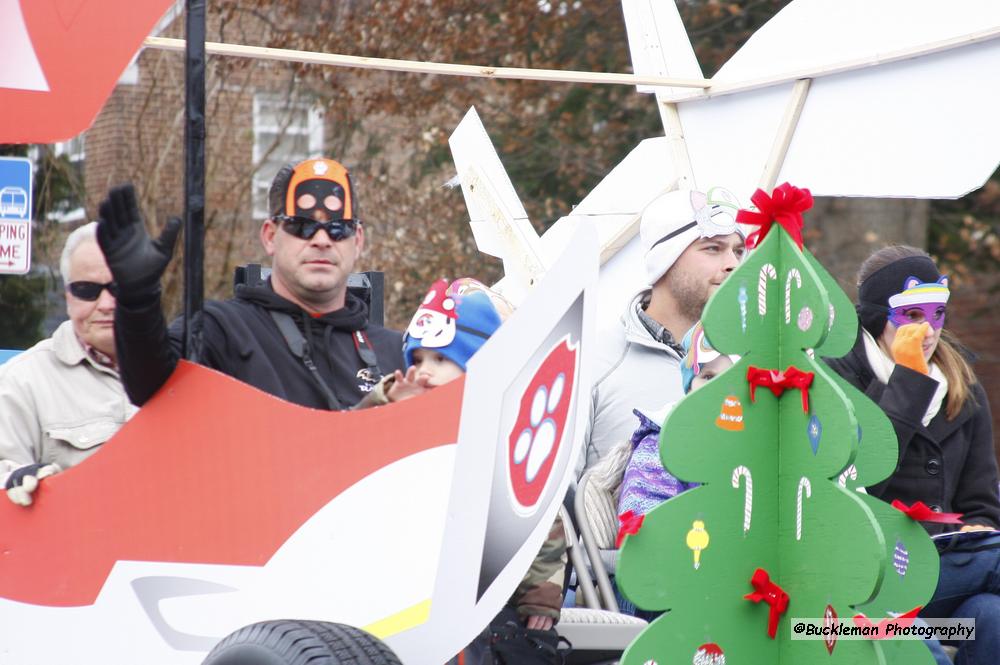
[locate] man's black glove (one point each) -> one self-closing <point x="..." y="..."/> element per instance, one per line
<point x="136" y="261"/>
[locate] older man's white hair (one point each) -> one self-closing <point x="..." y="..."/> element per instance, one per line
<point x="84" y="234"/>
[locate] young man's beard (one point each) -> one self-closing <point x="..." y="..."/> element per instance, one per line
<point x="689" y="294"/>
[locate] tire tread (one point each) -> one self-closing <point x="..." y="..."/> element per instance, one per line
<point x="300" y="642"/>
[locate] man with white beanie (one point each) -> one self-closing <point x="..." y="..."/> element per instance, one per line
<point x="691" y="244"/>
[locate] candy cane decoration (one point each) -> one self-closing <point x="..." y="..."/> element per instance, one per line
<point x="748" y="494"/>
<point x="850" y="472"/>
<point x="767" y="271"/>
<point x="794" y="272"/>
<point x="803" y="483"/>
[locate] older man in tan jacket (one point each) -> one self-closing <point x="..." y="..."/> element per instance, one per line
<point x="62" y="398"/>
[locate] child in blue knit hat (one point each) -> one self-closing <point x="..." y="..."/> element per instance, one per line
<point x="448" y="327"/>
<point x="446" y="330"/>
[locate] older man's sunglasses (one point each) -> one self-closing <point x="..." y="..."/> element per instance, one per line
<point x="306" y="228"/>
<point x="91" y="291"/>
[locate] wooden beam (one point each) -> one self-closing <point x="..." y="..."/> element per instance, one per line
<point x="783" y="138"/>
<point x="731" y="87"/>
<point x="413" y="66"/>
<point x="674" y="132"/>
<point x="702" y="88"/>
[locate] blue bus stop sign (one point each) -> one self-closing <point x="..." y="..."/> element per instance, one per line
<point x="15" y="215"/>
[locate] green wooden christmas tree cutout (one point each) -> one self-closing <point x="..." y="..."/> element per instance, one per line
<point x="780" y="444"/>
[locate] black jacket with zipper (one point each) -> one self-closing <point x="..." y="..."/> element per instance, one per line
<point x="950" y="465"/>
<point x="240" y="338"/>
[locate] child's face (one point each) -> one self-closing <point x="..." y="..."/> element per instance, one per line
<point x="434" y="367"/>
<point x="710" y="370"/>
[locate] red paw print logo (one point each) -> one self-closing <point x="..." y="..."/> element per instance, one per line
<point x="537" y="434"/>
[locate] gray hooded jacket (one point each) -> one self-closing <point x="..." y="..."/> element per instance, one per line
<point x="634" y="371"/>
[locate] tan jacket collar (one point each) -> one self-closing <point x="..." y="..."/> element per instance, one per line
<point x="71" y="351"/>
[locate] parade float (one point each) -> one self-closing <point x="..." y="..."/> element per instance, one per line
<point x="219" y="507"/>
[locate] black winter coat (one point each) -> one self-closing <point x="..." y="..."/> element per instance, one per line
<point x="950" y="465"/>
<point x="240" y="338"/>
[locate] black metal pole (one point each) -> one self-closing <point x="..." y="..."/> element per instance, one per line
<point x="194" y="177"/>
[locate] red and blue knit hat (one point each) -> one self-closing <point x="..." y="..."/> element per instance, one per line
<point x="454" y="325"/>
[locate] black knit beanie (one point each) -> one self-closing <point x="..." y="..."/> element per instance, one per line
<point x="874" y="292"/>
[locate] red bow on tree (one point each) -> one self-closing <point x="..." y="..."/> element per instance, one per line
<point x="778" y="382"/>
<point x="920" y="512"/>
<point x="630" y="525"/>
<point x="772" y="594"/>
<point x="785" y="206"/>
<point x="902" y="621"/>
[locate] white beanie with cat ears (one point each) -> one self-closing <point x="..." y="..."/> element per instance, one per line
<point x="672" y="221"/>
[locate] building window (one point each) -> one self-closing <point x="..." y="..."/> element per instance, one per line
<point x="73" y="149"/>
<point x="284" y="131"/>
<point x="60" y="166"/>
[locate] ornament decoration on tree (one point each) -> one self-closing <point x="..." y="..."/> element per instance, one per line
<point x="901" y="558"/>
<point x="785" y="206"/>
<point x="920" y="512"/>
<point x="772" y="594"/>
<point x="697" y="540"/>
<point x="777" y="382"/>
<point x="814" y="431"/>
<point x="829" y="621"/>
<point x="742" y="300"/>
<point x="743" y="472"/>
<point x="709" y="654"/>
<point x="805" y="319"/>
<point x="629" y="525"/>
<point x="731" y="416"/>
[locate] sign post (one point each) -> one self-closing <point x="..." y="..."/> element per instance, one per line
<point x="15" y="215"/>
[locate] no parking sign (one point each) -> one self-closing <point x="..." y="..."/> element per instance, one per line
<point x="15" y="215"/>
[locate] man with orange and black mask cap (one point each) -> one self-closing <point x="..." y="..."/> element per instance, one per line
<point x="318" y="190"/>
<point x="302" y="336"/>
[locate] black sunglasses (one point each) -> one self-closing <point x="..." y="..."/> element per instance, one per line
<point x="91" y="291"/>
<point x="306" y="228"/>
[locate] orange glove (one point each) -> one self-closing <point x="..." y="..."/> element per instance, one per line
<point x="907" y="347"/>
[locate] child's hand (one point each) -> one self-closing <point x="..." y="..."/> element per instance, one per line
<point x="907" y="347"/>
<point x="406" y="386"/>
<point x="977" y="527"/>
<point x="536" y="622"/>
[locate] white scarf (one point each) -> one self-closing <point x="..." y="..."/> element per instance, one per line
<point x="882" y="366"/>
